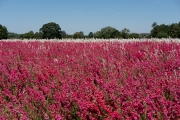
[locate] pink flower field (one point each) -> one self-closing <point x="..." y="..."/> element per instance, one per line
<point x="89" y="80"/>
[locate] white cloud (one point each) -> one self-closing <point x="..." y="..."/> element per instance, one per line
<point x="110" y="10"/>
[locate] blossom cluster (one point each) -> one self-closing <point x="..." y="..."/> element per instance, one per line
<point x="90" y="81"/>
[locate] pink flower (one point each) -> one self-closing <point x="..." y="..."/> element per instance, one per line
<point x="58" y="117"/>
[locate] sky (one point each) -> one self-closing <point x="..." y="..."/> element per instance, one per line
<point x="21" y="16"/>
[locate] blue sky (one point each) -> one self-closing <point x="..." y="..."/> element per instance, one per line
<point x="21" y="16"/>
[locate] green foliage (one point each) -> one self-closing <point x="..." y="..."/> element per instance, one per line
<point x="154" y="31"/>
<point x="63" y="34"/>
<point x="163" y="28"/>
<point x="107" y="32"/>
<point x="98" y="34"/>
<point x="154" y="24"/>
<point x="125" y="33"/>
<point x="90" y="35"/>
<point x="164" y="31"/>
<point x="69" y="36"/>
<point x="13" y="35"/>
<point x="82" y="34"/>
<point x="162" y="35"/>
<point x="144" y="35"/>
<point x="28" y="35"/>
<point x="77" y="35"/>
<point x="3" y="32"/>
<point x="134" y="35"/>
<point x="174" y="31"/>
<point x="51" y="30"/>
<point x="38" y="35"/>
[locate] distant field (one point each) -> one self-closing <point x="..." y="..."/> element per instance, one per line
<point x="74" y="79"/>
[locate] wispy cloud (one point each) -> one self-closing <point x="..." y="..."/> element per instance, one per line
<point x="31" y="6"/>
<point x="110" y="10"/>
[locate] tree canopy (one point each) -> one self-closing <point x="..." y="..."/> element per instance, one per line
<point x="164" y="31"/>
<point x="28" y="35"/>
<point x="107" y="32"/>
<point x="134" y="35"/>
<point x="77" y="35"/>
<point x="63" y="34"/>
<point x="51" y="30"/>
<point x="125" y="33"/>
<point x="38" y="35"/>
<point x="3" y="32"/>
<point x="14" y="35"/>
<point x="90" y="35"/>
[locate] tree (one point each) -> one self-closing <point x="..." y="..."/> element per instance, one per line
<point x="107" y="32"/>
<point x="125" y="33"/>
<point x="134" y="35"/>
<point x="3" y="32"/>
<point x="174" y="30"/>
<point x="179" y="27"/>
<point x="29" y="35"/>
<point x="77" y="35"/>
<point x="51" y="30"/>
<point x="82" y="34"/>
<point x="154" y="24"/>
<point x="163" y="31"/>
<point x="38" y="35"/>
<point x="155" y="31"/>
<point x="63" y="34"/>
<point x="69" y="36"/>
<point x="162" y="35"/>
<point x="163" y="28"/>
<point x="144" y="35"/>
<point x="13" y="35"/>
<point x="98" y="34"/>
<point x="90" y="35"/>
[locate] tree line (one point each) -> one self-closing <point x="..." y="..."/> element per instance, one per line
<point x="165" y="31"/>
<point x="52" y="30"/>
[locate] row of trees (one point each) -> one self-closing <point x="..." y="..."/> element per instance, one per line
<point x="110" y="32"/>
<point x="48" y="31"/>
<point x="165" y="31"/>
<point x="52" y="30"/>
